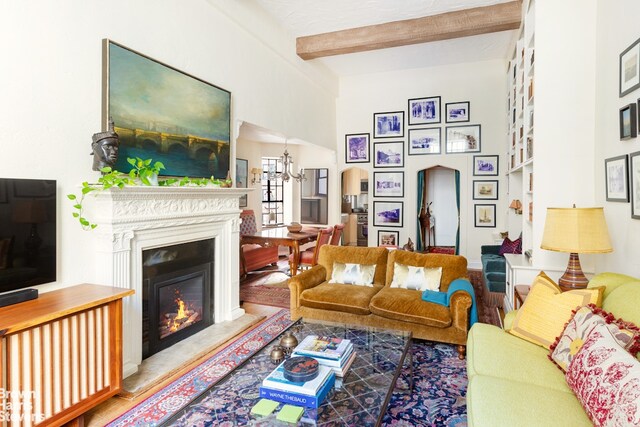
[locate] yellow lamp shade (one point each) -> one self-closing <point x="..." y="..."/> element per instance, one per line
<point x="576" y="230"/>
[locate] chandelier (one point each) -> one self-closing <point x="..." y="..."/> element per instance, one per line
<point x="286" y="173"/>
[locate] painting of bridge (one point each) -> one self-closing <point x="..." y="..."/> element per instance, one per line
<point x="164" y="114"/>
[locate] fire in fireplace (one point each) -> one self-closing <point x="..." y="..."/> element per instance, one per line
<point x="177" y="293"/>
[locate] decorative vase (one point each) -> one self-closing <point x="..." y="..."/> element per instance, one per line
<point x="277" y="354"/>
<point x="288" y="342"/>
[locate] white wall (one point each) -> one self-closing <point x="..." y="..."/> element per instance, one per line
<point x="617" y="29"/>
<point x="51" y="79"/>
<point x="482" y="84"/>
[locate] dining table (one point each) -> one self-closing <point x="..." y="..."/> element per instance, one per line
<point x="281" y="236"/>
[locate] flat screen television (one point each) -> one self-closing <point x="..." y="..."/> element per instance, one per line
<point x="27" y="233"/>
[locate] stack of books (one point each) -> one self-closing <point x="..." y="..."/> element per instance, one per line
<point x="309" y="394"/>
<point x="334" y="353"/>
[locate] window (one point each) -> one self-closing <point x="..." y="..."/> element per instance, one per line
<point x="323" y="176"/>
<point x="272" y="192"/>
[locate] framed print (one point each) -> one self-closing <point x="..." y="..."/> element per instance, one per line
<point x="629" y="69"/>
<point x="388" y="125"/>
<point x="485" y="190"/>
<point x="457" y="112"/>
<point x="463" y="139"/>
<point x="242" y="178"/>
<point x="387" y="214"/>
<point x="424" y="111"/>
<point x="388" y="184"/>
<point x="388" y="238"/>
<point x="634" y="178"/>
<point x="165" y="114"/>
<point x="424" y="141"/>
<point x="485" y="165"/>
<point x="388" y="154"/>
<point x="356" y="148"/>
<point x="617" y="178"/>
<point x="628" y="121"/>
<point x="485" y="216"/>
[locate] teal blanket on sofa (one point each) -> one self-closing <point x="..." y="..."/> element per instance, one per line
<point x="444" y="298"/>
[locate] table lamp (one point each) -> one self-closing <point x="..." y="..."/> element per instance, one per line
<point x="575" y="231"/>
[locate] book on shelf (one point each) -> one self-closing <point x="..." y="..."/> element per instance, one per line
<point x="300" y="399"/>
<point x="339" y="366"/>
<point x="276" y="380"/>
<point x="325" y="347"/>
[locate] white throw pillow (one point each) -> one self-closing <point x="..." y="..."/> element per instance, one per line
<point x="353" y="274"/>
<point x="418" y="278"/>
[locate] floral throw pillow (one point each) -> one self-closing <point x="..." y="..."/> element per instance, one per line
<point x="581" y="324"/>
<point x="606" y="380"/>
<point x="353" y="274"/>
<point x="417" y="278"/>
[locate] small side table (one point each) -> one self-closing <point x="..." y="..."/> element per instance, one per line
<point x="521" y="294"/>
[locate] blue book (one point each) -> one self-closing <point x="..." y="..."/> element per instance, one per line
<point x="297" y="398"/>
<point x="331" y="362"/>
<point x="276" y="380"/>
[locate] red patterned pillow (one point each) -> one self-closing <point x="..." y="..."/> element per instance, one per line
<point x="606" y="380"/>
<point x="511" y="247"/>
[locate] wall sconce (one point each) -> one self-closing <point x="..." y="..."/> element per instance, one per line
<point x="517" y="206"/>
<point x="257" y="175"/>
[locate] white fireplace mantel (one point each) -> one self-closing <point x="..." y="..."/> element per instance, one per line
<point x="133" y="219"/>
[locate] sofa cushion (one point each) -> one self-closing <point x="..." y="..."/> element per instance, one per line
<point x="622" y="302"/>
<point x="416" y="278"/>
<point x="407" y="305"/>
<point x="337" y="297"/>
<point x="495" y="282"/>
<point x="356" y="255"/>
<point x="498" y="402"/>
<point x="353" y="274"/>
<point x="610" y="281"/>
<point x="493" y="352"/>
<point x="547" y="309"/>
<point x="493" y="263"/>
<point x="453" y="266"/>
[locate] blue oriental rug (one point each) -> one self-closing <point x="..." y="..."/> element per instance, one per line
<point x="438" y="398"/>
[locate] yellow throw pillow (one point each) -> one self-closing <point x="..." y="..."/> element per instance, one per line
<point x="418" y="278"/>
<point x="547" y="309"/>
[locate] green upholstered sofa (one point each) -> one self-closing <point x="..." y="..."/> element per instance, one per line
<point x="513" y="383"/>
<point x="381" y="306"/>
<point x="493" y="273"/>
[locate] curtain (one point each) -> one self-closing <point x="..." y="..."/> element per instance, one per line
<point x="457" y="179"/>
<point x="421" y="185"/>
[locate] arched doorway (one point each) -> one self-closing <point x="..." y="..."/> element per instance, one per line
<point x="438" y="210"/>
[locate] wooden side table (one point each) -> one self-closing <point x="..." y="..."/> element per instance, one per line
<point x="521" y="294"/>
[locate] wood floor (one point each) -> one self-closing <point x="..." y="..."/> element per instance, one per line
<point x="112" y="408"/>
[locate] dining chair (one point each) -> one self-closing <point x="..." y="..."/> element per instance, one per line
<point x="309" y="257"/>
<point x="337" y="233"/>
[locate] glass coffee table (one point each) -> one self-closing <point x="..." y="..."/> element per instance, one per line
<point x="360" y="398"/>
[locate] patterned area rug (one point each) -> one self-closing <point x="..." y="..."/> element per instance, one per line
<point x="438" y="398"/>
<point x="270" y="289"/>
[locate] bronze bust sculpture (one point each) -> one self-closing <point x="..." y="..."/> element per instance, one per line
<point x="105" y="148"/>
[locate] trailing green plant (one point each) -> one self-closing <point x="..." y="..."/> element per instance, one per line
<point x="143" y="171"/>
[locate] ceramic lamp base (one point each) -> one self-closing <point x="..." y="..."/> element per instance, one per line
<point x="573" y="277"/>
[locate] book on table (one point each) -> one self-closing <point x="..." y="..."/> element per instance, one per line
<point x="325" y="347"/>
<point x="339" y="366"/>
<point x="277" y="381"/>
<point x="300" y="399"/>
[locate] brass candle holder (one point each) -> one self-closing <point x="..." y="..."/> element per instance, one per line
<point x="288" y="342"/>
<point x="277" y="354"/>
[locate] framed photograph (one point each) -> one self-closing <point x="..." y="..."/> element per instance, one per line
<point x="485" y="165"/>
<point x="242" y="178"/>
<point x="356" y="148"/>
<point x="388" y="184"/>
<point x="485" y="190"/>
<point x="387" y="214"/>
<point x="388" y="154"/>
<point x="457" y="112"/>
<point x="634" y="178"/>
<point x="388" y="238"/>
<point x="485" y="216"/>
<point x="424" y="141"/>
<point x="165" y="114"/>
<point x="617" y="178"/>
<point x="628" y="121"/>
<point x="388" y="125"/>
<point x="424" y="111"/>
<point x="463" y="139"/>
<point x="630" y="69"/>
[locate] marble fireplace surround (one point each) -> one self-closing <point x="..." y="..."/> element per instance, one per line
<point x="133" y="219"/>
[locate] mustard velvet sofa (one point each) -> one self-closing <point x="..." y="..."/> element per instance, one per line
<point x="512" y="382"/>
<point x="381" y="306"/>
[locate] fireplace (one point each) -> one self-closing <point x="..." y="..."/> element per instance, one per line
<point x="177" y="293"/>
<point x="134" y="220"/>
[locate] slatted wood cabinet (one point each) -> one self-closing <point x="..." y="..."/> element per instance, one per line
<point x="61" y="355"/>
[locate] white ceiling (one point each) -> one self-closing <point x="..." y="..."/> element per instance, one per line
<point x="308" y="17"/>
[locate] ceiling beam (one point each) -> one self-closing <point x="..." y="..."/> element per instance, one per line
<point x="450" y="25"/>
